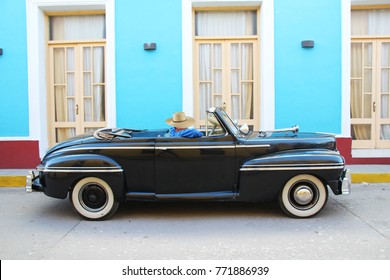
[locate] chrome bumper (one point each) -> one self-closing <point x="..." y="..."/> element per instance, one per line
<point x="29" y="179"/>
<point x="32" y="182"/>
<point x="347" y="182"/>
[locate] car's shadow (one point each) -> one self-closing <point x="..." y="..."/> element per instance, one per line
<point x="196" y="209"/>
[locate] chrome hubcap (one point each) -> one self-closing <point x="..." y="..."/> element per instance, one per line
<point x="303" y="195"/>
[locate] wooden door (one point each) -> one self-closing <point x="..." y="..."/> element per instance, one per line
<point x="76" y="89"/>
<point x="226" y="76"/>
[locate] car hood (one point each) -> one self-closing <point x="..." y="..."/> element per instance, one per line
<point x="77" y="140"/>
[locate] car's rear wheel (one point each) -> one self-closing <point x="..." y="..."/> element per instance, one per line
<point x="303" y="196"/>
<point x="93" y="199"/>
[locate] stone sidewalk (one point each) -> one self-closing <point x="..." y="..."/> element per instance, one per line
<point x="360" y="174"/>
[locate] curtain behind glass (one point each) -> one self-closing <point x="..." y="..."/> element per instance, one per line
<point x="85" y="27"/>
<point x="385" y="89"/>
<point x="225" y="23"/>
<point x="370" y="22"/>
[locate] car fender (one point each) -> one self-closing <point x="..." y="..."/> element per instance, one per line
<point x="270" y="172"/>
<point x="61" y="173"/>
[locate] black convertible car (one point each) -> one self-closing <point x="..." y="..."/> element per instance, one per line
<point x="113" y="165"/>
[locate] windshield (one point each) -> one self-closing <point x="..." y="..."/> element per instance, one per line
<point x="229" y="123"/>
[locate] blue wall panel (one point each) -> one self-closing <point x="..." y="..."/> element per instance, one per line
<point x="148" y="83"/>
<point x="13" y="70"/>
<point x="308" y="81"/>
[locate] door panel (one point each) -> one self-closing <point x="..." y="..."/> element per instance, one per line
<point x="383" y="99"/>
<point x="62" y="95"/>
<point x="196" y="165"/>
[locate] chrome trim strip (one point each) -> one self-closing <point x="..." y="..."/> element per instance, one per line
<point x="291" y="168"/>
<point x="194" y="147"/>
<point x="161" y="147"/>
<point x="103" y="148"/>
<point x="210" y="147"/>
<point x="294" y="165"/>
<point x="254" y="146"/>
<point x="83" y="169"/>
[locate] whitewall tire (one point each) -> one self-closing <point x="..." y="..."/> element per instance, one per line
<point x="303" y="196"/>
<point x="93" y="199"/>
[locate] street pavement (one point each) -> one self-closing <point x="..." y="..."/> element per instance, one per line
<point x="353" y="227"/>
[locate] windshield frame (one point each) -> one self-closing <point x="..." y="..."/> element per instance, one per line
<point x="227" y="121"/>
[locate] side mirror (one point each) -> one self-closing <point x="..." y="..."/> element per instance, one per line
<point x="244" y="128"/>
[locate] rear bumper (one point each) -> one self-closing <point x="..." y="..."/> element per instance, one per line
<point x="32" y="183"/>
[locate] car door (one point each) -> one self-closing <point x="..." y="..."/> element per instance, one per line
<point x="195" y="168"/>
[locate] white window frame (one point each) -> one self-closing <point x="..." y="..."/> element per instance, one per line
<point x="267" y="77"/>
<point x="36" y="45"/>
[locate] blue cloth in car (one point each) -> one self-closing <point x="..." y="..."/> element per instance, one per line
<point x="187" y="133"/>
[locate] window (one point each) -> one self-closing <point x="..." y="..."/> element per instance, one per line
<point x="225" y="23"/>
<point x="370" y="22"/>
<point x="75" y="28"/>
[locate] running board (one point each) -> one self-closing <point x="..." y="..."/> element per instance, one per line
<point x="182" y="196"/>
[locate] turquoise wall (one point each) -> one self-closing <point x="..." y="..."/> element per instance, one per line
<point x="148" y="83"/>
<point x="13" y="70"/>
<point x="308" y="81"/>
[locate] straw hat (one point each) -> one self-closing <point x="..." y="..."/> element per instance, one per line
<point x="180" y="120"/>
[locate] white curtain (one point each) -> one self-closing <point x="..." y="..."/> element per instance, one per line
<point x="225" y="23"/>
<point x="360" y="97"/>
<point x="385" y="90"/>
<point x="75" y="28"/>
<point x="98" y="87"/>
<point x="247" y="78"/>
<point x="205" y="81"/>
<point x="94" y="94"/>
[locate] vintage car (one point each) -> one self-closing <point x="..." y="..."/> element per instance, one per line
<point x="227" y="163"/>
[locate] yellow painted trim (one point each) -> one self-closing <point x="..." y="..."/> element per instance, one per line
<point x="75" y="13"/>
<point x="226" y="8"/>
<point x="371" y="7"/>
<point x="370" y="177"/>
<point x="12" y="181"/>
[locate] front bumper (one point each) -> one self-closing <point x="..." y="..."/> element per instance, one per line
<point x="32" y="182"/>
<point x="346" y="182"/>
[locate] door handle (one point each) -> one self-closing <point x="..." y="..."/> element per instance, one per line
<point x="224" y="106"/>
<point x="77" y="109"/>
<point x="374" y="106"/>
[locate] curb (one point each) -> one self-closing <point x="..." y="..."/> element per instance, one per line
<point x="12" y="181"/>
<point x="20" y="181"/>
<point x="370" y="177"/>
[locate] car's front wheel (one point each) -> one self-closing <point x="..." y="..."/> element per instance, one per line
<point x="303" y="196"/>
<point x="93" y="199"/>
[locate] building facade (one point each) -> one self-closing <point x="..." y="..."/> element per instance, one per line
<point x="69" y="66"/>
